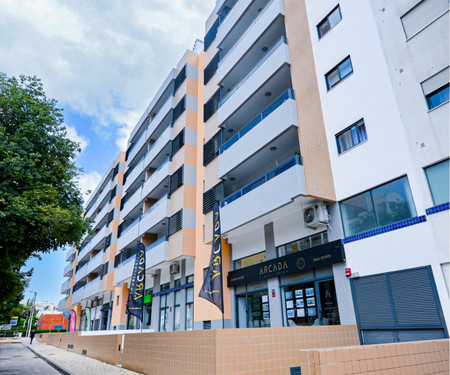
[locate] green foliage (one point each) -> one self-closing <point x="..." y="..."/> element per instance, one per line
<point x="40" y="204"/>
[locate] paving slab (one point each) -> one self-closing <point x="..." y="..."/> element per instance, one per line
<point x="70" y="363"/>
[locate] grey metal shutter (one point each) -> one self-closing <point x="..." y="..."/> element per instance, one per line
<point x="414" y="298"/>
<point x="373" y="303"/>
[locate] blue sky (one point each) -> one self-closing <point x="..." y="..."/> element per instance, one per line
<point x="102" y="61"/>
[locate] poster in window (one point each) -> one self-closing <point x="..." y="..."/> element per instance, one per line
<point x="291" y="313"/>
<point x="300" y="303"/>
<point x="265" y="298"/>
<point x="309" y="292"/>
<point x="311" y="301"/>
<point x="289" y="295"/>
<point x="265" y="307"/>
<point x="266" y="316"/>
<point x="290" y="304"/>
<point x="312" y="311"/>
<point x="300" y="313"/>
<point x="299" y="293"/>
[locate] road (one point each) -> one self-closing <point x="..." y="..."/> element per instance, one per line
<point x="16" y="359"/>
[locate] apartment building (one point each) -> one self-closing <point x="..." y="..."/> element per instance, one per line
<point x="322" y="130"/>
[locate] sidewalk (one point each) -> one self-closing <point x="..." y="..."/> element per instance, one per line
<point x="71" y="363"/>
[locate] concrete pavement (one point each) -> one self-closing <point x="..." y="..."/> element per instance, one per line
<point x="16" y="358"/>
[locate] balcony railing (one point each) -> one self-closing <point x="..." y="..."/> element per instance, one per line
<point x="288" y="94"/>
<point x="295" y="160"/>
<point x="149" y="247"/>
<point x="281" y="41"/>
<point x="245" y="32"/>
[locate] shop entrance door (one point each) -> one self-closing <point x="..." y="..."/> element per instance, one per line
<point x="253" y="310"/>
<point x="329" y="312"/>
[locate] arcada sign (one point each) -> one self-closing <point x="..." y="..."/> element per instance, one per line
<point x="319" y="256"/>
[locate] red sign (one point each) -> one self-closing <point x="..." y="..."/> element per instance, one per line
<point x="348" y="272"/>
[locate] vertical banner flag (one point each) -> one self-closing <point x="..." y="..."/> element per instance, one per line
<point x="135" y="302"/>
<point x="87" y="325"/>
<point x="73" y="320"/>
<point x="212" y="288"/>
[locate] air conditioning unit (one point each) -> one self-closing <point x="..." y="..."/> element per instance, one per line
<point x="174" y="268"/>
<point x="315" y="215"/>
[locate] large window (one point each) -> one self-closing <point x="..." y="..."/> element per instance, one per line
<point x="351" y="136"/>
<point x="330" y="21"/>
<point x="375" y="208"/>
<point x="303" y="244"/>
<point x="436" y="89"/>
<point x="164" y="309"/>
<point x="438" y="180"/>
<point x="190" y="305"/>
<point x="339" y="72"/>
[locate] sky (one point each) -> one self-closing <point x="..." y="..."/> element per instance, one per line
<point x="103" y="61"/>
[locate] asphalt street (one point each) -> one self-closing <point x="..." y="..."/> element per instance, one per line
<point x="16" y="359"/>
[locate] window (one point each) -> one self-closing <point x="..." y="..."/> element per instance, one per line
<point x="303" y="244"/>
<point x="330" y="21"/>
<point x="386" y="204"/>
<point x="190" y="305"/>
<point x="250" y="260"/>
<point x="338" y="73"/>
<point x="164" y="308"/>
<point x="436" y="89"/>
<point x="351" y="136"/>
<point x="176" y="309"/>
<point x="438" y="180"/>
<point x="438" y="97"/>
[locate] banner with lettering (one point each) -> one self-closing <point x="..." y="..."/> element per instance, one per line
<point x="137" y="286"/>
<point x="87" y="324"/>
<point x="73" y="320"/>
<point x="212" y="288"/>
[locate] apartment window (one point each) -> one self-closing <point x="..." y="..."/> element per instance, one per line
<point x="330" y="21"/>
<point x="438" y="181"/>
<point x="436" y="89"/>
<point x="164" y="308"/>
<point x="384" y="205"/>
<point x="351" y="136"/>
<point x="190" y="304"/>
<point x="339" y="72"/>
<point x="211" y="35"/>
<point x="438" y="97"/>
<point x="250" y="260"/>
<point x="303" y="244"/>
<point x="211" y="106"/>
<point x="211" y="69"/>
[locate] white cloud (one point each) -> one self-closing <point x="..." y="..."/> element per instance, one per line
<point x="88" y="182"/>
<point x="73" y="135"/>
<point x="103" y="58"/>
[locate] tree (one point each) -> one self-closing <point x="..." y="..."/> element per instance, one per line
<point x="40" y="203"/>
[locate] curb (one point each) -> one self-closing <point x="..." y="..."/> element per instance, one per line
<point x="56" y="366"/>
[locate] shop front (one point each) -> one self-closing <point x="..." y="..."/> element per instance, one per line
<point x="292" y="290"/>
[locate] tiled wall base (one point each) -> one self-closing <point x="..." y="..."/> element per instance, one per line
<point x="411" y="358"/>
<point x="257" y="351"/>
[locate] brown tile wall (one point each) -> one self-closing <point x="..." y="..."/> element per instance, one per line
<point x="411" y="358"/>
<point x="101" y="347"/>
<point x="42" y="337"/>
<point x="229" y="352"/>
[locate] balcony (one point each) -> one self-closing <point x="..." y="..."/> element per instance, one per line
<point x="92" y="288"/>
<point x="101" y="215"/>
<point x="155" y="214"/>
<point x="267" y="126"/>
<point x="67" y="269"/>
<point x="71" y="254"/>
<point x="262" y="33"/>
<point x="77" y="296"/>
<point x="162" y="141"/>
<point x="65" y="288"/>
<point x="133" y="173"/>
<point x="132" y="203"/>
<point x="156" y="253"/>
<point x="266" y="69"/>
<point x="81" y="273"/>
<point x="129" y="234"/>
<point x="271" y="191"/>
<point x="93" y="243"/>
<point x="95" y="263"/>
<point x="232" y="18"/>
<point x="136" y="147"/>
<point x="62" y="304"/>
<point x="158" y="176"/>
<point x="160" y="116"/>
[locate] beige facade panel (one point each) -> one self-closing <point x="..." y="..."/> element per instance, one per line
<point x="191" y="119"/>
<point x="118" y="316"/>
<point x="211" y="87"/>
<point x="211" y="174"/>
<point x="211" y="128"/>
<point x="312" y="137"/>
<point x="176" y="200"/>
